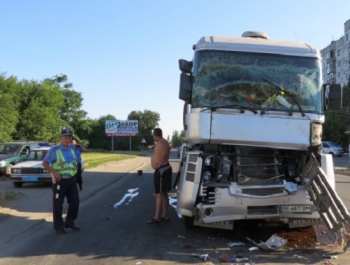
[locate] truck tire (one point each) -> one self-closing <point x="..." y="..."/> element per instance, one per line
<point x="188" y="221"/>
<point x="17" y="184"/>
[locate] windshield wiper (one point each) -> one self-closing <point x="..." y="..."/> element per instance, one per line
<point x="288" y="93"/>
<point x="233" y="106"/>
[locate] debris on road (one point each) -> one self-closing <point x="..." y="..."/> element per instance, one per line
<point x="224" y="257"/>
<point x="253" y="248"/>
<point x="235" y="244"/>
<point x="330" y="256"/>
<point x="240" y="258"/>
<point x="273" y="243"/>
<point x="201" y="256"/>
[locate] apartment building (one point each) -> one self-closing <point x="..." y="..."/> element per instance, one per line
<point x="336" y="59"/>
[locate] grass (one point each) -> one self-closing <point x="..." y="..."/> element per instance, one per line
<point x="94" y="159"/>
<point x="9" y="196"/>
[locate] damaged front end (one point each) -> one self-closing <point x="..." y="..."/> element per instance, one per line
<point x="220" y="184"/>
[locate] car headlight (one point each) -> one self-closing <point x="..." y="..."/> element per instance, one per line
<point x="15" y="170"/>
<point x="2" y="163"/>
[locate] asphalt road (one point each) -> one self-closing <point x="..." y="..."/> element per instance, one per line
<point x="114" y="209"/>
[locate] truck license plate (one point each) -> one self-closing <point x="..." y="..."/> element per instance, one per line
<point x="295" y="209"/>
<point x="30" y="179"/>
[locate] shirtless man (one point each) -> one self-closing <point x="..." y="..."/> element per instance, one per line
<point x="162" y="177"/>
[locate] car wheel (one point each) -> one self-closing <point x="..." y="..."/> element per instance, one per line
<point x="8" y="170"/>
<point x="188" y="221"/>
<point x="331" y="153"/>
<point x="17" y="184"/>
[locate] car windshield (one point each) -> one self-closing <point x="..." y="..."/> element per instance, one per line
<point x="9" y="149"/>
<point x="258" y="81"/>
<point x="37" y="155"/>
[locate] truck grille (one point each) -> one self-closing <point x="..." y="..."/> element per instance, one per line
<point x="262" y="210"/>
<point x="258" y="166"/>
<point x="28" y="170"/>
<point x="263" y="192"/>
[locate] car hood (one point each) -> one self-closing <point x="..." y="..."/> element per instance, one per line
<point x="33" y="164"/>
<point x="4" y="156"/>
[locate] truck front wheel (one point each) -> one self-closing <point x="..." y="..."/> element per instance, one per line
<point x="188" y="221"/>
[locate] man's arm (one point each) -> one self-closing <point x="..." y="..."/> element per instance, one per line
<point x="55" y="174"/>
<point x="83" y="148"/>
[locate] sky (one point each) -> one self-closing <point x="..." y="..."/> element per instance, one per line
<point x="122" y="55"/>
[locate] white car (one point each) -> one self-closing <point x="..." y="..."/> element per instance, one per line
<point x="32" y="170"/>
<point x="329" y="147"/>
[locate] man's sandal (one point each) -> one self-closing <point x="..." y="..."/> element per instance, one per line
<point x="153" y="221"/>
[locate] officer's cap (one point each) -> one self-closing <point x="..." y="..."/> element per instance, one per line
<point x="66" y="132"/>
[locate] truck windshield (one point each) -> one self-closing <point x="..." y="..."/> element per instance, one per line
<point x="225" y="78"/>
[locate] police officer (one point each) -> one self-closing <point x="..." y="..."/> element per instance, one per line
<point x="61" y="162"/>
<point x="79" y="148"/>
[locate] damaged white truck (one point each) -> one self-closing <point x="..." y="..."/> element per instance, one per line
<point x="253" y="117"/>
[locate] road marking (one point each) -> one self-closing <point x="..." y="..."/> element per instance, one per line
<point x="173" y="203"/>
<point x="131" y="194"/>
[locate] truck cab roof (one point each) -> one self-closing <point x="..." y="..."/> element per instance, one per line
<point x="257" y="45"/>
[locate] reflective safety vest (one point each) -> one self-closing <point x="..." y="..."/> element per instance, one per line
<point x="62" y="167"/>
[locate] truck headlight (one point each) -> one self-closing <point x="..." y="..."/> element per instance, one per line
<point x="15" y="170"/>
<point x="316" y="134"/>
<point x="206" y="175"/>
<point x="207" y="161"/>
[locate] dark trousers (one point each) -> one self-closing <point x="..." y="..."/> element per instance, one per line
<point x="79" y="170"/>
<point x="67" y="188"/>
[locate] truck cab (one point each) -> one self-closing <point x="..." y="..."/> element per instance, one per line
<point x="254" y="111"/>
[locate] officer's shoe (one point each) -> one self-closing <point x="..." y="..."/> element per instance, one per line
<point x="61" y="231"/>
<point x="72" y="226"/>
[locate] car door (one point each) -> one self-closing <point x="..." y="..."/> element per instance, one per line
<point x="24" y="152"/>
<point x="326" y="148"/>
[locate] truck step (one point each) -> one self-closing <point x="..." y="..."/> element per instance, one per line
<point x="331" y="208"/>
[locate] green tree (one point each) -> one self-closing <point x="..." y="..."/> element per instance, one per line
<point x="178" y="139"/>
<point x="97" y="138"/>
<point x="71" y="112"/>
<point x="337" y="121"/>
<point x="38" y="111"/>
<point x="148" y="120"/>
<point x="8" y="107"/>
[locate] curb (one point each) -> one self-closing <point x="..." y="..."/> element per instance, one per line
<point x="340" y="172"/>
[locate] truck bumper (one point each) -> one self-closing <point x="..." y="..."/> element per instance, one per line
<point x="229" y="207"/>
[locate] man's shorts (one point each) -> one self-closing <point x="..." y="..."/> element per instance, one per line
<point x="162" y="179"/>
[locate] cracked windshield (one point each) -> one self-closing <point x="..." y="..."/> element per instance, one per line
<point x="257" y="81"/>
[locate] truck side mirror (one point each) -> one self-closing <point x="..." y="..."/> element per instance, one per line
<point x="185" y="87"/>
<point x="185" y="80"/>
<point x="185" y="66"/>
<point x="334" y="96"/>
